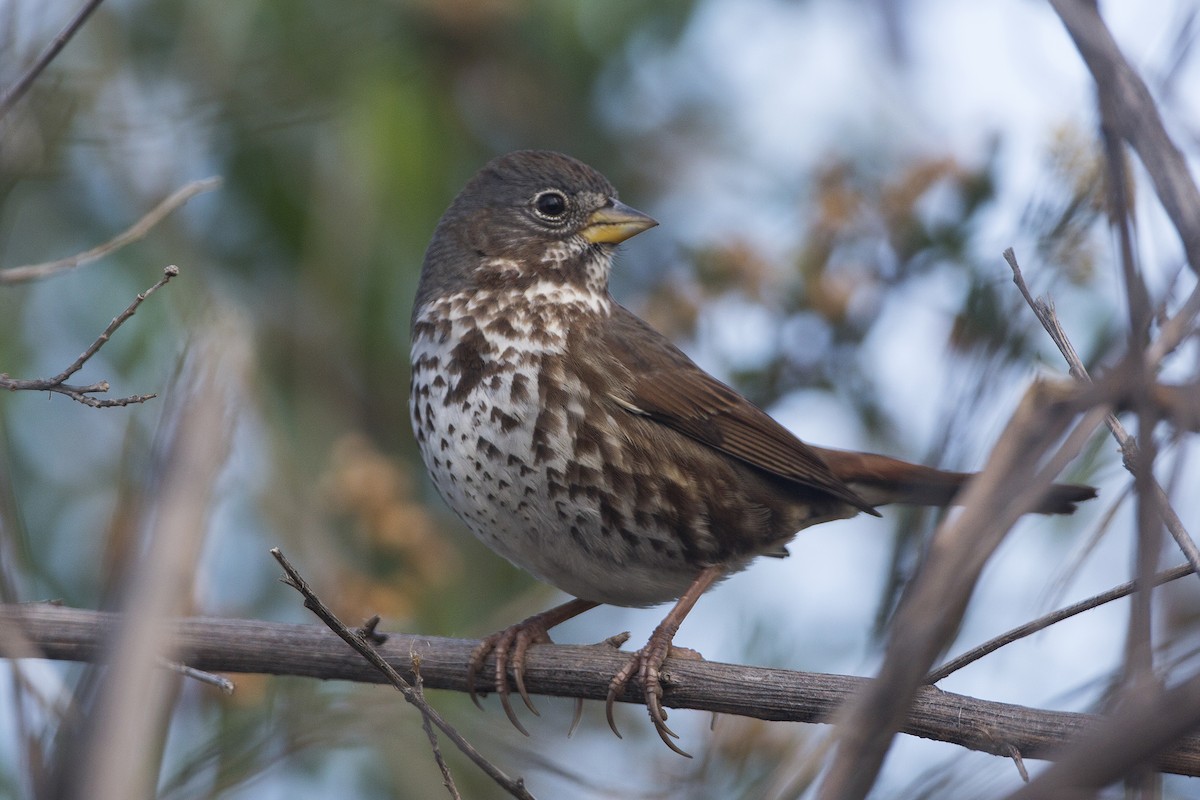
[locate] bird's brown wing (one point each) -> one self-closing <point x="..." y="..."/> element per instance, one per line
<point x="667" y="387"/>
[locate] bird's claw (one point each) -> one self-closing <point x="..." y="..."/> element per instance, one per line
<point x="516" y="640"/>
<point x="646" y="664"/>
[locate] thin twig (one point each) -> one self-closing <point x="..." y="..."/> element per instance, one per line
<point x="430" y="733"/>
<point x="224" y="684"/>
<point x="1053" y="618"/>
<point x="138" y="230"/>
<point x="514" y="786"/>
<point x="83" y="394"/>
<point x="1049" y="319"/>
<point x="1019" y="761"/>
<point x="18" y="89"/>
<point x="169" y="272"/>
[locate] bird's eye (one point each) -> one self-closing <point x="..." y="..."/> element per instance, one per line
<point x="550" y="204"/>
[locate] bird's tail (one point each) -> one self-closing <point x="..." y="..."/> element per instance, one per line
<point x="880" y="480"/>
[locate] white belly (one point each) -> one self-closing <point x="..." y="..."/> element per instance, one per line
<point x="476" y="434"/>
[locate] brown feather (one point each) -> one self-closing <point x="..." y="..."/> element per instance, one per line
<point x="666" y="386"/>
<point x="881" y="479"/>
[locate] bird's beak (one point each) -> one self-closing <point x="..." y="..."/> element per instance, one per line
<point x="615" y="223"/>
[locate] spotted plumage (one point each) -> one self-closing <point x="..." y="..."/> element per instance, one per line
<point x="580" y="444"/>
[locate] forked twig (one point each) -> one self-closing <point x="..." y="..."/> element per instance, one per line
<point x="1050" y="426"/>
<point x="1129" y="450"/>
<point x="514" y="786"/>
<point x="83" y="394"/>
<point x="430" y="733"/>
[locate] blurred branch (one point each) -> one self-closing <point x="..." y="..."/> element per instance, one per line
<point x="1137" y="119"/>
<point x="1138" y="682"/>
<point x="1123" y="743"/>
<point x="1179" y="403"/>
<point x="1175" y="329"/>
<point x="363" y="646"/>
<point x="83" y="394"/>
<point x="116" y="754"/>
<point x="250" y="646"/>
<point x="1020" y="468"/>
<point x="138" y="230"/>
<point x="1147" y="717"/>
<point x="1129" y="449"/>
<point x="18" y="89"/>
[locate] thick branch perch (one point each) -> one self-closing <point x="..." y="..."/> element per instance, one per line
<point x="226" y="645"/>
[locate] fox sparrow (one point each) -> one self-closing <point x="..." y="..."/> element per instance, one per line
<point x="581" y="445"/>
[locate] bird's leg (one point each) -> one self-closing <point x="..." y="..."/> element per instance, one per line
<point x="517" y="638"/>
<point x="647" y="662"/>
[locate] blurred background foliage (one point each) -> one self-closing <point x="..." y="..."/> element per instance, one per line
<point x="844" y="272"/>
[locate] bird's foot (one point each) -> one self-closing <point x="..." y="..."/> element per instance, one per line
<point x="647" y="665"/>
<point x="510" y="646"/>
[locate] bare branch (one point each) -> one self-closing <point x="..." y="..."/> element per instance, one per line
<point x="18" y="89"/>
<point x="361" y="644"/>
<point x="1049" y="319"/>
<point x="114" y="755"/>
<point x="430" y="733"/>
<point x="1113" y="748"/>
<point x="1137" y="119"/>
<point x="1053" y="618"/>
<point x="138" y="230"/>
<point x="1179" y="403"/>
<point x="251" y="646"/>
<point x="1016" y="477"/>
<point x="83" y="394"/>
<point x="1147" y="717"/>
